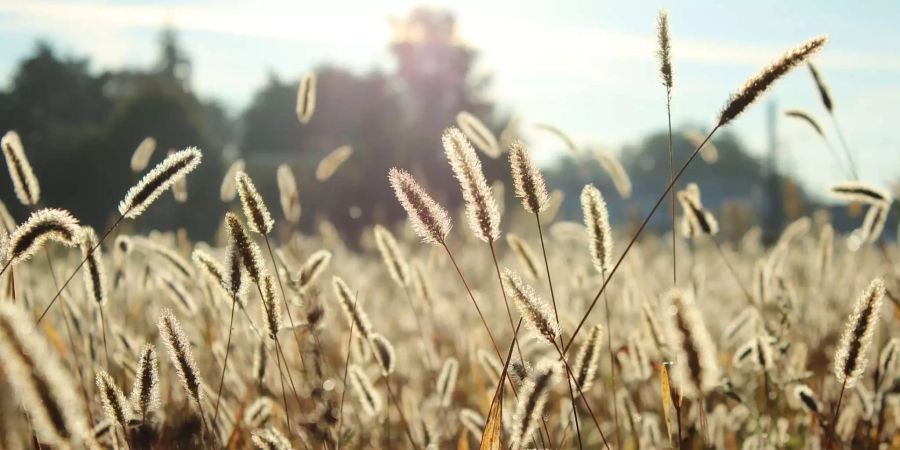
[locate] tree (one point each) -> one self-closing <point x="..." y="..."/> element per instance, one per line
<point x="53" y="103"/>
<point x="79" y="130"/>
<point x="736" y="176"/>
<point x="389" y="119"/>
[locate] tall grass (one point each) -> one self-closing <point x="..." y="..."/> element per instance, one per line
<point x="699" y="355"/>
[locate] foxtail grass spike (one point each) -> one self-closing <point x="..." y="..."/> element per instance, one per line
<point x="384" y="353"/>
<point x="306" y="98"/>
<point x="43" y="225"/>
<point x="145" y="390"/>
<point x="353" y="311"/>
<point x="228" y="189"/>
<point x="596" y="221"/>
<point x="179" y="348"/>
<point x="696" y="368"/>
<point x="824" y="91"/>
<point x="95" y="275"/>
<point x="528" y="181"/>
<point x="530" y="406"/>
<point x="429" y="219"/>
<point x="288" y="195"/>
<point x="762" y="81"/>
<point x="481" y="207"/>
<point x="852" y="354"/>
<point x="537" y="314"/>
<point x="114" y="402"/>
<point x="392" y="256"/>
<point x="664" y="52"/>
<point x="446" y="381"/>
<point x="38" y="380"/>
<point x="255" y="211"/>
<point x="25" y="183"/>
<point x="175" y="167"/>
<point x="479" y="134"/>
<point x="142" y="154"/>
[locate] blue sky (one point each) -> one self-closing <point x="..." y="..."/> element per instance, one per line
<point x="585" y="66"/>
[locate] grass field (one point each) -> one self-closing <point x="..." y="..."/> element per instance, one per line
<point x="498" y="325"/>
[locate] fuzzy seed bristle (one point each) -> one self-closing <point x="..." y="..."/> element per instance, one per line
<point x="7" y="222"/>
<point x="288" y="195"/>
<point x="429" y="219"/>
<point x="142" y="154"/>
<point x="696" y="369"/>
<point x="354" y="313"/>
<point x="181" y="355"/>
<point x="479" y="134"/>
<point x="255" y="211"/>
<point x="42" y="225"/>
<point x="175" y="167"/>
<point x="243" y="254"/>
<point x="94" y="274"/>
<point x="362" y="386"/>
<point x="446" y="381"/>
<point x="208" y="266"/>
<point x="888" y="365"/>
<point x="587" y="360"/>
<point x="472" y="420"/>
<point x="481" y="207"/>
<point x="528" y="181"/>
<point x="25" y="183"/>
<point x="536" y="313"/>
<point x="392" y="256"/>
<point x="853" y="351"/>
<point x="145" y="390"/>
<point x="331" y="162"/>
<point x="856" y="191"/>
<point x="270" y="439"/>
<point x="179" y="295"/>
<point x="312" y="268"/>
<point x="306" y="98"/>
<point x="616" y="172"/>
<point x="270" y="306"/>
<point x="824" y="92"/>
<point x="874" y="222"/>
<point x="228" y="189"/>
<point x="258" y="413"/>
<point x="664" y="52"/>
<point x="596" y="221"/>
<point x="806" y="117"/>
<point x="524" y="254"/>
<point x="38" y="380"/>
<point x="709" y="152"/>
<point x="826" y="250"/>
<point x="759" y="83"/>
<point x="384" y="353"/>
<point x="530" y="406"/>
<point x="807" y="398"/>
<point x="697" y="217"/>
<point x="113" y="399"/>
<point x="567" y="140"/>
<point x="165" y="253"/>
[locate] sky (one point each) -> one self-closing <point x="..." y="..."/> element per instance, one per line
<point x="586" y="66"/>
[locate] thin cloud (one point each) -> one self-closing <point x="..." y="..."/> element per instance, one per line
<point x="562" y="49"/>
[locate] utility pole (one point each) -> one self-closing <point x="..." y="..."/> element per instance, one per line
<point x="773" y="219"/>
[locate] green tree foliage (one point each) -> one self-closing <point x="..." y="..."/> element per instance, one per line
<point x="736" y="176"/>
<point x="79" y="130"/>
<point x="388" y="118"/>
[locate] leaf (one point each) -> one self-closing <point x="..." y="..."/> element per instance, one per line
<point x="55" y="340"/>
<point x="490" y="439"/>
<point x="463" y="442"/>
<point x="666" y="399"/>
